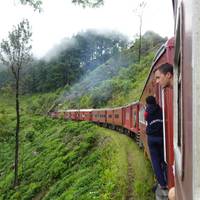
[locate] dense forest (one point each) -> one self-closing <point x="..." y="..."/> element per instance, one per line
<point x="67" y="62"/>
<point x="94" y="61"/>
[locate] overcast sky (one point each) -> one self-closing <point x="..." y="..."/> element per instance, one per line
<point x="60" y="19"/>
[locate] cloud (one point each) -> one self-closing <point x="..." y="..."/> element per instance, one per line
<point x="60" y="19"/>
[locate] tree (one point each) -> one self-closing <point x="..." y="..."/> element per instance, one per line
<point x="139" y="12"/>
<point x="15" y="53"/>
<point x="36" y="4"/>
<point x="89" y="3"/>
<point x="96" y="48"/>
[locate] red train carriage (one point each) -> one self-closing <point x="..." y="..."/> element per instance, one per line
<point x="131" y="118"/>
<point x="142" y="125"/>
<point x="66" y="115"/>
<point x="164" y="98"/>
<point x="127" y="116"/>
<point x="99" y="116"/>
<point x="74" y="114"/>
<point x="109" y="116"/>
<point x="117" y="117"/>
<point x="187" y="99"/>
<point x="135" y="117"/>
<point x="85" y="114"/>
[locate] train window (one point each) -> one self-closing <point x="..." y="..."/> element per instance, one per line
<point x="134" y="117"/>
<point x="127" y="116"/>
<point x="178" y="97"/>
<point x="109" y="116"/>
<point x="116" y="115"/>
<point x="141" y="115"/>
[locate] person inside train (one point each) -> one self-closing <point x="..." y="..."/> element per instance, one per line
<point x="154" y="130"/>
<point x="164" y="75"/>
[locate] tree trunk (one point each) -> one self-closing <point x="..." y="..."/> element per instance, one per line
<point x="140" y="40"/>
<point x="16" y="181"/>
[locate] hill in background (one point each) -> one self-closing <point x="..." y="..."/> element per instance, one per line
<point x="90" y="70"/>
<point x="116" y="82"/>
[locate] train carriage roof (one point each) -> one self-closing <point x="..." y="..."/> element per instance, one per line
<point x="77" y="110"/>
<point x="130" y="104"/>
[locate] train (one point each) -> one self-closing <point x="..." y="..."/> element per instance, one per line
<point x="129" y="119"/>
<point x="186" y="99"/>
<point x="181" y="105"/>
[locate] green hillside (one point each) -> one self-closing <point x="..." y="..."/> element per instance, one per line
<point x="70" y="160"/>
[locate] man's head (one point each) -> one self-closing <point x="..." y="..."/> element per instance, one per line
<point x="164" y="75"/>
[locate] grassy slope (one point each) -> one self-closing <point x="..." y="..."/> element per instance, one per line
<point x="130" y="156"/>
<point x="69" y="160"/>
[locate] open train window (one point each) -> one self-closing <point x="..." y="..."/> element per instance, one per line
<point x="141" y="115"/>
<point x="178" y="97"/>
<point x="134" y="118"/>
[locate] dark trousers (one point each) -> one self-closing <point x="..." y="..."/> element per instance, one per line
<point x="157" y="158"/>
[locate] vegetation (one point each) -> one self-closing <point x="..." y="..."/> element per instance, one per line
<point x="76" y="160"/>
<point x="15" y="53"/>
<point x="69" y="160"/>
<point x="89" y="3"/>
<point x="67" y="62"/>
<point x="37" y="4"/>
<point x="119" y="80"/>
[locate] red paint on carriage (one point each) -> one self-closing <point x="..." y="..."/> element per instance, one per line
<point x="110" y="116"/>
<point x="117" y="117"/>
<point x="74" y="114"/>
<point x="131" y="117"/>
<point x="85" y="114"/>
<point x="164" y="55"/>
<point x="99" y="115"/>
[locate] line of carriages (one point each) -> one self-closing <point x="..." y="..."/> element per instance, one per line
<point x="130" y="120"/>
<point x="123" y="119"/>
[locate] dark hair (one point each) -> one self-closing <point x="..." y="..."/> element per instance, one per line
<point x="165" y="68"/>
<point x="151" y="100"/>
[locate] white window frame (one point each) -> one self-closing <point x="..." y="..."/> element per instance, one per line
<point x="178" y="150"/>
<point x="141" y="115"/>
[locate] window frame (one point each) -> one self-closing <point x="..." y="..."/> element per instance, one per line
<point x="178" y="96"/>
